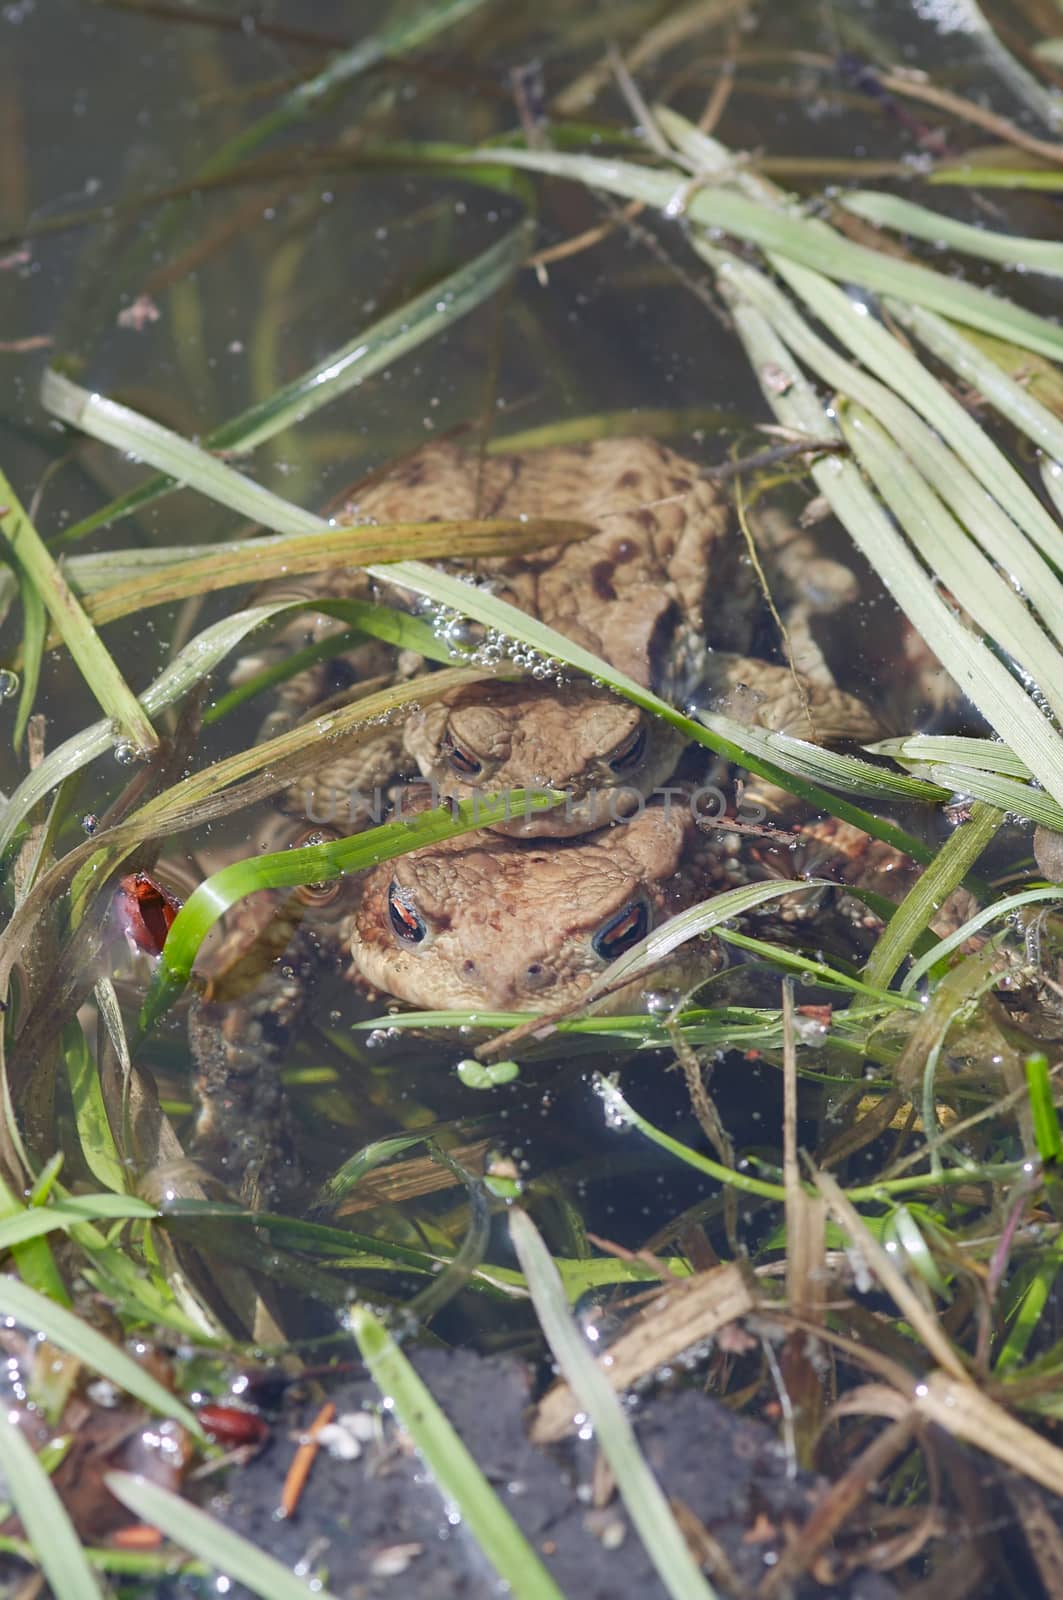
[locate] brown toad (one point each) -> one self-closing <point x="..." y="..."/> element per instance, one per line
<point x="488" y="921"/>
<point x="662" y="590"/>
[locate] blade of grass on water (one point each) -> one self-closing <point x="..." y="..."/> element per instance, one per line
<point x="1013" y="713"/>
<point x="643" y="1497"/>
<point x="70" y="1332"/>
<point x="798" y="238"/>
<point x="455" y="1470"/>
<point x="1013" y="400"/>
<point x="994" y="913"/>
<point x="992" y="500"/>
<point x="904" y="216"/>
<point x="927" y="895"/>
<point x="97" y="667"/>
<point x="44" y="1518"/>
<point x="226" y="567"/>
<point x="375" y="348"/>
<point x="216" y="1546"/>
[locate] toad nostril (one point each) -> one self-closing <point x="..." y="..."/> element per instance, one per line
<point x="468" y="965"/>
<point x="534" y="974"/>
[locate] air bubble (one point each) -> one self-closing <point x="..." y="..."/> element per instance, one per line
<point x="9" y="683"/>
<point x="126" y="753"/>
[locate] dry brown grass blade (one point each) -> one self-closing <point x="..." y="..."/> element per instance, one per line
<point x="923" y="1321"/>
<point x="968" y="1414"/>
<point x="261" y="559"/>
<point x="413" y="1178"/>
<point x="1043" y="1537"/>
<point x="685" y="1313"/>
<point x="914" y="86"/>
<point x="838" y="1503"/>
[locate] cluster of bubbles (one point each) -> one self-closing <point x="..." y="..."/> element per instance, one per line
<point x="498" y="649"/>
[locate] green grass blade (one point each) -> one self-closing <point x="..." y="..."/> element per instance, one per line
<point x="44" y="1517"/>
<point x="643" y="1498"/>
<point x="796" y="237"/>
<point x="93" y="659"/>
<point x="989" y="473"/>
<point x="1013" y="400"/>
<point x="1045" y="1116"/>
<point x="72" y="1333"/>
<point x="379" y="346"/>
<point x="904" y="216"/>
<point x="831" y="768"/>
<point x="137" y="435"/>
<point x="216" y="1546"/>
<point x="375" y="348"/>
<point x="34" y="629"/>
<point x="90" y="1114"/>
<point x="1026" y="800"/>
<point x="73" y="1212"/>
<point x="317" y="863"/>
<point x="453" y="1467"/>
<point x="1001" y="700"/>
<point x="972" y="176"/>
<point x="921" y="749"/>
<point x="994" y="913"/>
<point x="926" y="896"/>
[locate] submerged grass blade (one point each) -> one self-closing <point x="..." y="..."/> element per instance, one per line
<point x="453" y="1467"/>
<point x="216" y="1546"/>
<point x="1001" y="700"/>
<point x="49" y="1529"/>
<point x="94" y="661"/>
<point x="795" y="237"/>
<point x="34" y="629"/>
<point x="344" y="369"/>
<point x="643" y="1497"/>
<point x="1012" y="399"/>
<point x="228" y="566"/>
<point x="904" y="216"/>
<point x="194" y="663"/>
<point x="927" y="895"/>
<point x="904" y="383"/>
<point x="42" y="1316"/>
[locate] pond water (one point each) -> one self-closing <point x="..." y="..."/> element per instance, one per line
<point x="190" y="301"/>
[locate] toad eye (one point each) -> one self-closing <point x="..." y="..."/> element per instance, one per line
<point x="324" y="893"/>
<point x="622" y="930"/>
<point x="459" y="759"/>
<point x="405" y="922"/>
<point x="628" y="755"/>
